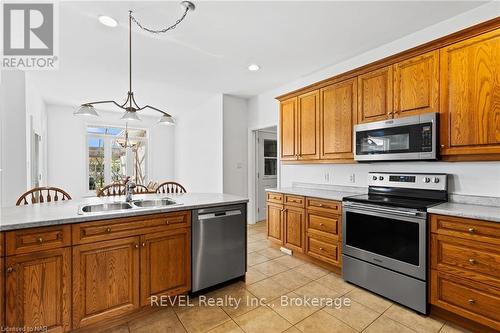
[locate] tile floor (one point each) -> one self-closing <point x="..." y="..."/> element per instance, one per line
<point x="271" y="274"/>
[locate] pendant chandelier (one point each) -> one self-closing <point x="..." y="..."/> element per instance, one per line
<point x="130" y="106"/>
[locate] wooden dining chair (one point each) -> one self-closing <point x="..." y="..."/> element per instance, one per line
<point x="43" y="194"/>
<point x="170" y="187"/>
<point x="141" y="189"/>
<point x="111" y="190"/>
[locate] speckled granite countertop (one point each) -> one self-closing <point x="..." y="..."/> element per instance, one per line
<point x="63" y="212"/>
<point x="467" y="210"/>
<point x="318" y="193"/>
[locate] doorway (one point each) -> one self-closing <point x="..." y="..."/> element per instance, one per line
<point x="266" y="167"/>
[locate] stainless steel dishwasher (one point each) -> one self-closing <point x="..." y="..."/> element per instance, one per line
<point x="218" y="245"/>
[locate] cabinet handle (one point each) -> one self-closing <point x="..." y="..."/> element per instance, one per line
<point x="472" y="230"/>
<point x="321" y="249"/>
<point x="9" y="269"/>
<point x="108" y="230"/>
<point x="321" y="224"/>
<point x="40" y="240"/>
<point x="471" y="301"/>
<point x="472" y="261"/>
<point x="143" y="244"/>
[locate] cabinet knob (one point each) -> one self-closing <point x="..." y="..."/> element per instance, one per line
<point x="321" y="248"/>
<point x="108" y="230"/>
<point x="136" y="246"/>
<point x="320" y="205"/>
<point x="143" y="244"/>
<point x="442" y="146"/>
<point x="40" y="240"/>
<point x="472" y="261"/>
<point x="472" y="230"/>
<point x="321" y="224"/>
<point x="167" y="222"/>
<point x="471" y="301"/>
<point x="9" y="269"/>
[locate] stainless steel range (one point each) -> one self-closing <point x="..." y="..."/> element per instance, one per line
<point x="384" y="239"/>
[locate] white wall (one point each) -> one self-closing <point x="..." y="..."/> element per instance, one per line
<point x="12" y="136"/>
<point x="235" y="145"/>
<point x="263" y="112"/>
<point x="66" y="162"/>
<point x="199" y="146"/>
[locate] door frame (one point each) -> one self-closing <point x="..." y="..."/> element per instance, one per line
<point x="252" y="168"/>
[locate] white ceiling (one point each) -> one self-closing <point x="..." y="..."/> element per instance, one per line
<point x="210" y="51"/>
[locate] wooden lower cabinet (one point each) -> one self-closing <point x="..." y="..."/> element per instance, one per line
<point x="165" y="264"/>
<point x="294" y="228"/>
<point x="465" y="278"/>
<point x="323" y="248"/>
<point x="2" y="303"/>
<point x="38" y="290"/>
<point x="105" y="280"/>
<point x="275" y="222"/>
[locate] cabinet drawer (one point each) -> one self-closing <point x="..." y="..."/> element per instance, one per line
<point x="293" y="200"/>
<point x="111" y="229"/>
<point x="466" y="298"/>
<point x="37" y="239"/>
<point x="323" y="248"/>
<point x="324" y="205"/>
<point x="474" y="260"/>
<point x="323" y="222"/>
<point x="478" y="230"/>
<point x="274" y="197"/>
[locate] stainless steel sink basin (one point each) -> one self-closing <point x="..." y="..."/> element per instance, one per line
<point x="153" y="203"/>
<point x="105" y="207"/>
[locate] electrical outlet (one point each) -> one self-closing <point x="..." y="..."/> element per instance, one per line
<point x="352" y="178"/>
<point x="330" y="177"/>
<point x="327" y="177"/>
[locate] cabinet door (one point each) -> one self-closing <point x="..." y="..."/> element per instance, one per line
<point x="338" y="115"/>
<point x="416" y="85"/>
<point x="274" y="222"/>
<point x="308" y="126"/>
<point x="294" y="228"/>
<point x="470" y="96"/>
<point x="288" y="129"/>
<point x="2" y="307"/>
<point x="165" y="264"/>
<point x="375" y="95"/>
<point x="38" y="290"/>
<point x="105" y="280"/>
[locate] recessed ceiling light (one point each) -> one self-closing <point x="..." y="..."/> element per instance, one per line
<point x="108" y="21"/>
<point x="253" y="67"/>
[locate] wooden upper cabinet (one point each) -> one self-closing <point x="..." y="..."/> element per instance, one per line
<point x="308" y="126"/>
<point x="338" y="115"/>
<point x="38" y="290"/>
<point x="470" y="96"/>
<point x="165" y="264"/>
<point x="294" y="228"/>
<point x="105" y="280"/>
<point x="375" y="90"/>
<point x="416" y="85"/>
<point x="288" y="129"/>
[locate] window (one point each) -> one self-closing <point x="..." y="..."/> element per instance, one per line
<point x="112" y="155"/>
<point x="270" y="157"/>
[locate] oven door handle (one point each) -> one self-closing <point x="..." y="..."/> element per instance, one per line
<point x="385" y="210"/>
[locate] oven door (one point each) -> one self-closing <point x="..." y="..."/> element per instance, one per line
<point x="410" y="138"/>
<point x="387" y="237"/>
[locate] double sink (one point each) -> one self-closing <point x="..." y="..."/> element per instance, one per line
<point x="123" y="205"/>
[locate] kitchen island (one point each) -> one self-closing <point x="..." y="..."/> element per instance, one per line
<point x="82" y="270"/>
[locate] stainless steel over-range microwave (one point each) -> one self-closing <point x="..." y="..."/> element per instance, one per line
<point x="408" y="138"/>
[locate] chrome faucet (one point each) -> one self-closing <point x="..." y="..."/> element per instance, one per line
<point x="129" y="190"/>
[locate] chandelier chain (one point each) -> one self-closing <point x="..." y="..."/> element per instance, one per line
<point x="159" y="31"/>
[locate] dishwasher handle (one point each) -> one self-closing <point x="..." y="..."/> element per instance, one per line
<point x="217" y="215"/>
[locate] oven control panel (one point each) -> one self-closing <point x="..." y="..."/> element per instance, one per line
<point x="426" y="181"/>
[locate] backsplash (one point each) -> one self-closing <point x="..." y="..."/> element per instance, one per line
<point x="466" y="178"/>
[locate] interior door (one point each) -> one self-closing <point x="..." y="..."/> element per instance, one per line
<point x="267" y="168"/>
